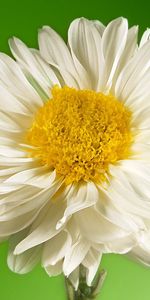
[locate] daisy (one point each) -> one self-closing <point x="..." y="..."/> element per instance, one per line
<point x="75" y="149"/>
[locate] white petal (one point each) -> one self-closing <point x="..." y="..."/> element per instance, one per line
<point x="25" y="262"/>
<point x="80" y="197"/>
<point x="99" y="26"/>
<point x="85" y="43"/>
<point x="13" y="79"/>
<point x="40" y="177"/>
<point x="113" y="43"/>
<point x="143" y="137"/>
<point x="138" y="103"/>
<point x="8" y="124"/>
<point x="141" y="255"/>
<point x="13" y="161"/>
<point x="122" y="245"/>
<point x="55" y="52"/>
<point x="141" y="151"/>
<point x="128" y="52"/>
<point x="56" y="249"/>
<point x="75" y="256"/>
<point x="44" y="228"/>
<point x="91" y="262"/>
<point x="73" y="229"/>
<point x="11" y="152"/>
<point x="30" y="63"/>
<point x="139" y="176"/>
<point x="6" y="171"/>
<point x="11" y="210"/>
<point x="10" y="103"/>
<point x="110" y="212"/>
<point x="145" y="37"/>
<point x="130" y="203"/>
<point x="136" y="167"/>
<point x="49" y="73"/>
<point x="17" y="224"/>
<point x="74" y="278"/>
<point x="99" y="230"/>
<point x="18" y="197"/>
<point x="8" y="188"/>
<point x="13" y="125"/>
<point x="132" y="74"/>
<point x="53" y="48"/>
<point x="54" y="270"/>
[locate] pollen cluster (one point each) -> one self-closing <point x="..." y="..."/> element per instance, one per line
<point x="79" y="133"/>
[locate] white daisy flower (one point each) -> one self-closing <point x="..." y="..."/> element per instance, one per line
<point x="75" y="148"/>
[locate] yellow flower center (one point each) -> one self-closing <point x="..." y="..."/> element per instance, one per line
<point x="79" y="133"/>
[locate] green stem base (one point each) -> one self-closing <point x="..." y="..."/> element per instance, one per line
<point x="85" y="292"/>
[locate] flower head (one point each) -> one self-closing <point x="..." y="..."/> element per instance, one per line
<point x="79" y="133"/>
<point x="75" y="153"/>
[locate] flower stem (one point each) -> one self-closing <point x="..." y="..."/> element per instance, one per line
<point x="85" y="292"/>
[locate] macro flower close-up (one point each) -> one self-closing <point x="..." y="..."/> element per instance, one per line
<point x="75" y="149"/>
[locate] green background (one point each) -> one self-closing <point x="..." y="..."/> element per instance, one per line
<point x="126" y="280"/>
